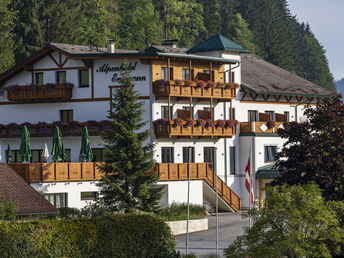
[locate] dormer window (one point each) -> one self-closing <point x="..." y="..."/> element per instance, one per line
<point x="61" y="77"/>
<point x="39" y="78"/>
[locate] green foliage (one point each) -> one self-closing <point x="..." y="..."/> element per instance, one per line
<point x="8" y="210"/>
<point x="67" y="212"/>
<point x="128" y="184"/>
<point x="295" y="222"/>
<point x="7" y="17"/>
<point x="107" y="236"/>
<point x="314" y="150"/>
<point x="178" y="211"/>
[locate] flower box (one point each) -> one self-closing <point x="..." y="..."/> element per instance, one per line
<point x="105" y="125"/>
<point x="30" y="127"/>
<point x="197" y="130"/>
<point x="75" y="128"/>
<point x="197" y="91"/>
<point x="228" y="131"/>
<point x="92" y="127"/>
<point x="207" y="92"/>
<point x="207" y="130"/>
<point x="175" y="129"/>
<point x="218" y="130"/>
<point x="187" y="130"/>
<point x="43" y="129"/>
<point x="14" y="130"/>
<point x="186" y="90"/>
<point x="227" y="93"/>
<point x="175" y="89"/>
<point x="217" y="92"/>
<point x="3" y="131"/>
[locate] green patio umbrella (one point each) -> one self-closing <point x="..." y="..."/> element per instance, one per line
<point x="25" y="151"/>
<point x="58" y="152"/>
<point x="8" y="154"/>
<point x="85" y="151"/>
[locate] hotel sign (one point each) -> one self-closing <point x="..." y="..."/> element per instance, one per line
<point x="116" y="70"/>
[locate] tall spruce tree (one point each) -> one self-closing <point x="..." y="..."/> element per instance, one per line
<point x="128" y="184"/>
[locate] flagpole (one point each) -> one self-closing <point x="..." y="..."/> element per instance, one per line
<point x="188" y="203"/>
<point x="249" y="204"/>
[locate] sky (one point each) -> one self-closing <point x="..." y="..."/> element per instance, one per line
<point x="326" y="19"/>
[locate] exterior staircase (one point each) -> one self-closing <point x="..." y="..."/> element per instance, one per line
<point x="199" y="171"/>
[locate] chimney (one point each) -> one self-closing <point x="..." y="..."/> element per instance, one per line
<point x="111" y="46"/>
<point x="170" y="43"/>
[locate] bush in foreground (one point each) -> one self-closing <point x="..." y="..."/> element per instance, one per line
<point x="296" y="222"/>
<point x="178" y="211"/>
<point x="106" y="236"/>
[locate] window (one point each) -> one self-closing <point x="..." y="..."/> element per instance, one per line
<point x="84" y="79"/>
<point x="186" y="74"/>
<point x="57" y="199"/>
<point x="232" y="77"/>
<point x="286" y="113"/>
<point x="211" y="74"/>
<point x="270" y="152"/>
<point x="61" y="77"/>
<point x="171" y="73"/>
<point x="272" y="114"/>
<point x="164" y="112"/>
<point x="186" y="108"/>
<point x="98" y="154"/>
<point x="167" y="155"/>
<point x="186" y="155"/>
<point x="252" y="115"/>
<point x="164" y="73"/>
<point x="68" y="155"/>
<point x="36" y="156"/>
<point x="89" y="196"/>
<point x="232" y="113"/>
<point x="232" y="160"/>
<point x="207" y="109"/>
<point x="66" y="116"/>
<point x="39" y="78"/>
<point x="209" y="156"/>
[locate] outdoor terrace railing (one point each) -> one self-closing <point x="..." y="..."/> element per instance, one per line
<point x="43" y="129"/>
<point x="198" y="171"/>
<point x="39" y="93"/>
<point x="168" y="129"/>
<point x="260" y="127"/>
<point x="178" y="88"/>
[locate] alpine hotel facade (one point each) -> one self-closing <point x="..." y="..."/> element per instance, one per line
<point x="216" y="98"/>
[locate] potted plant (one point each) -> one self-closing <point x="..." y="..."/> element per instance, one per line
<point x="105" y="125"/>
<point x="14" y="129"/>
<point x="30" y="127"/>
<point x="92" y="127"/>
<point x="3" y="130"/>
<point x="178" y="122"/>
<point x="189" y="122"/>
<point x="220" y="123"/>
<point x="43" y="129"/>
<point x="211" y="84"/>
<point x="271" y="124"/>
<point x="75" y="128"/>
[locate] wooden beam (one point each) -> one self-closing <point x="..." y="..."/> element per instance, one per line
<point x="266" y="97"/>
<point x="231" y="111"/>
<point x="211" y="109"/>
<point x="27" y="67"/>
<point x="88" y="63"/>
<point x="60" y="59"/>
<point x="211" y="71"/>
<point x="61" y="68"/>
<point x="168" y="68"/>
<point x="169" y="107"/>
<point x="273" y="102"/>
<point x="191" y="109"/>
<point x="277" y="98"/>
<point x="243" y="96"/>
<point x="288" y="98"/>
<point x="52" y="58"/>
<point x="299" y="98"/>
<point x="254" y="97"/>
<point x="64" y="62"/>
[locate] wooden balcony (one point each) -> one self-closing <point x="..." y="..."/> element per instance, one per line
<point x="170" y="129"/>
<point x="199" y="171"/>
<point x="53" y="172"/>
<point x="259" y="128"/>
<point x="163" y="90"/>
<point x="39" y="93"/>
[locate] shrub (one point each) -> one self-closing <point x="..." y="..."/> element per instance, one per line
<point x="106" y="236"/>
<point x="67" y="212"/>
<point x="178" y="211"/>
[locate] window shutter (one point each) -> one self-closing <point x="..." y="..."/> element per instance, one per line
<point x="192" y="74"/>
<point x="171" y="73"/>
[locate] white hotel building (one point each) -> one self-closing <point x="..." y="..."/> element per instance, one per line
<point x="70" y="86"/>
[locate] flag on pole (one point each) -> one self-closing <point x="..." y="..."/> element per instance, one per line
<point x="248" y="180"/>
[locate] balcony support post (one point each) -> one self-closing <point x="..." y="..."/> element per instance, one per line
<point x="168" y="68"/>
<point x="211" y="109"/>
<point x="169" y="107"/>
<point x="191" y="109"/>
<point x="230" y="72"/>
<point x="231" y="109"/>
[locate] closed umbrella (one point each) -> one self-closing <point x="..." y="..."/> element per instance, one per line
<point x="8" y="154"/>
<point x="58" y="152"/>
<point x="85" y="151"/>
<point x="25" y="151"/>
<point x="45" y="154"/>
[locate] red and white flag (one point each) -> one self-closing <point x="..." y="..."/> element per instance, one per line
<point x="248" y="180"/>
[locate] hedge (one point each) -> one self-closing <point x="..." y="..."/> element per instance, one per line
<point x="107" y="236"/>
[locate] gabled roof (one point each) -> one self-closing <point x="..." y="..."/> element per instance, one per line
<point x="262" y="77"/>
<point x="218" y="43"/>
<point x="14" y="188"/>
<point x="269" y="171"/>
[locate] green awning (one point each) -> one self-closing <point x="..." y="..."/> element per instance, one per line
<point x="267" y="172"/>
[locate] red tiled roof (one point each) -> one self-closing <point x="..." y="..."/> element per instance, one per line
<point x="14" y="188"/>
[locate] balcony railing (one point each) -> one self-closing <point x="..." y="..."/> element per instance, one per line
<point x="39" y="93"/>
<point x="199" y="171"/>
<point x="260" y="127"/>
<point x="52" y="172"/>
<point x="166" y="129"/>
<point x="42" y="129"/>
<point x="163" y="89"/>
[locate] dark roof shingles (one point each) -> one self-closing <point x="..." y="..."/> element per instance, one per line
<point x="264" y="77"/>
<point x="14" y="188"/>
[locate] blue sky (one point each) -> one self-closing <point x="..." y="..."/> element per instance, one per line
<point x="326" y="18"/>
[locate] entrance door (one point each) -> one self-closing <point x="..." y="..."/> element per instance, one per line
<point x="209" y="156"/>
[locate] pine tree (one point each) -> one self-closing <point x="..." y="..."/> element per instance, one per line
<point x="6" y="36"/>
<point x="128" y="184"/>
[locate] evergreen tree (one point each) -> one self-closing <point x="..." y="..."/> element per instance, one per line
<point x="6" y="36"/>
<point x="128" y="184"/>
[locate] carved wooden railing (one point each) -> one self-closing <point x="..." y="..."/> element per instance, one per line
<point x="169" y="129"/>
<point x="259" y="127"/>
<point x="199" y="171"/>
<point x="38" y="93"/>
<point x="170" y="88"/>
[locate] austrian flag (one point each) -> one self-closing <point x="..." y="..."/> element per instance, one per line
<point x="248" y="181"/>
